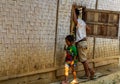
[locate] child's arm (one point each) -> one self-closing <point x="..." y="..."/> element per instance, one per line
<point x="73" y="60"/>
<point x="74" y="55"/>
<point x="65" y="48"/>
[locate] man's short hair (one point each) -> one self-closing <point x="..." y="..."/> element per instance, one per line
<point x="77" y="12"/>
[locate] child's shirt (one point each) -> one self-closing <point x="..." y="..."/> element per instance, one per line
<point x="71" y="52"/>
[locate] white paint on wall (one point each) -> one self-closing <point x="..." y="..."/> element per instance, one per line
<point x="113" y="5"/>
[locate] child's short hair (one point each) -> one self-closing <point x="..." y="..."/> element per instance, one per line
<point x="70" y="38"/>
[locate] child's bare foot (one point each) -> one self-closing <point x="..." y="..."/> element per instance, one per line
<point x="74" y="81"/>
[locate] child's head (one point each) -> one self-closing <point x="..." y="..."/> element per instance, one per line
<point x="69" y="40"/>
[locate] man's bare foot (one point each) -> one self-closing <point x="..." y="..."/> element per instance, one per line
<point x="65" y="82"/>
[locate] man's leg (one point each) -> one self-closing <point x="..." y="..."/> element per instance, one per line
<point x="82" y="53"/>
<point x="86" y="69"/>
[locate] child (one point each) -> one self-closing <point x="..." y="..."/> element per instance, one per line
<point x="70" y="60"/>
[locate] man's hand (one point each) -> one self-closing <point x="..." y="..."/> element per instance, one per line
<point x="74" y="6"/>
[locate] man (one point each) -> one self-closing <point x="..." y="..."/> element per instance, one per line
<point x="81" y="42"/>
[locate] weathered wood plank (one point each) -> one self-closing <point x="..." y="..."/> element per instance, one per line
<point x="27" y="74"/>
<point x="96" y="16"/>
<point x="102" y="63"/>
<point x="100" y="59"/>
<point x="100" y="23"/>
<point x="106" y="11"/>
<point x="103" y="23"/>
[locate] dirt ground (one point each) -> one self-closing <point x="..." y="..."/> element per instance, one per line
<point x="109" y="74"/>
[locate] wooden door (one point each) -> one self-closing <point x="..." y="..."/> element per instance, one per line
<point x="102" y="23"/>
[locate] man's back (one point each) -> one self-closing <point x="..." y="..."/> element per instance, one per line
<point x="80" y="30"/>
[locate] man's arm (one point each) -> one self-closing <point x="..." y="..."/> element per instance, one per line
<point x="74" y="15"/>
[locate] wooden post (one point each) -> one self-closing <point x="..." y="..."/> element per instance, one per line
<point x="94" y="42"/>
<point x="56" y="33"/>
<point x="96" y="26"/>
<point x="96" y="4"/>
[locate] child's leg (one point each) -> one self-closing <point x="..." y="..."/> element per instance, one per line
<point x="66" y="72"/>
<point x="74" y="75"/>
<point x="73" y="72"/>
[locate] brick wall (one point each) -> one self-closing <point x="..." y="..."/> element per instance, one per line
<point x="27" y="35"/>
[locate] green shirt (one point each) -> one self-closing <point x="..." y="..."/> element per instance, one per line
<point x="71" y="53"/>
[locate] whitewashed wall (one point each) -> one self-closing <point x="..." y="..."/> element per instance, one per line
<point x="27" y="32"/>
<point x="113" y="5"/>
<point x="27" y="35"/>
